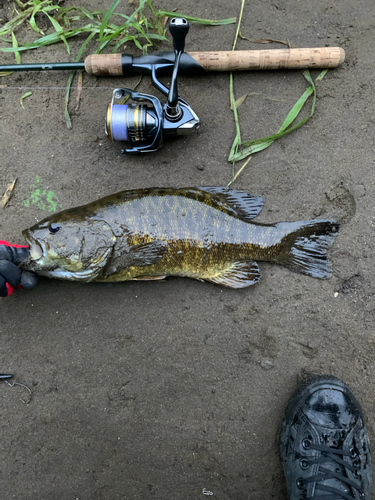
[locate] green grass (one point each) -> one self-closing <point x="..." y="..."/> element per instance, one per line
<point x="254" y="146"/>
<point x="243" y="149"/>
<point x="143" y="27"/>
<point x="110" y="29"/>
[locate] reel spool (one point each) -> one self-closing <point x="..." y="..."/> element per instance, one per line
<point x="130" y="122"/>
<point x="144" y="123"/>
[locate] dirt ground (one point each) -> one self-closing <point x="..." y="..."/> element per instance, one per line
<point x="175" y="390"/>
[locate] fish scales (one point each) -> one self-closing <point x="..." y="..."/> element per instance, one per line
<point x="190" y="236"/>
<point x="203" y="233"/>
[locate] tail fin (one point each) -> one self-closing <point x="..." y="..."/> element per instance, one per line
<point x="308" y="244"/>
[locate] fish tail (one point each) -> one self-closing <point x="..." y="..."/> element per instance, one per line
<point x="307" y="247"/>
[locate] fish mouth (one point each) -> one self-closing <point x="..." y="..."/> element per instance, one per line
<point x="38" y="249"/>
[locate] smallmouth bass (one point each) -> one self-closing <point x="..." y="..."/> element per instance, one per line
<point x="206" y="233"/>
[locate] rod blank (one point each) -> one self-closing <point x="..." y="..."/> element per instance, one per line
<point x="43" y="67"/>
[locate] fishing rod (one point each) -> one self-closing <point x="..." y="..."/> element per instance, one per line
<point x="146" y="122"/>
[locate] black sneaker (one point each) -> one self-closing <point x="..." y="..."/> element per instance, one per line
<point x="324" y="443"/>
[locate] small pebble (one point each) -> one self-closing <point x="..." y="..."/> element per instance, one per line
<point x="266" y="364"/>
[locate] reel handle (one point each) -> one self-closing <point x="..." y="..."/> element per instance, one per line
<point x="179" y="28"/>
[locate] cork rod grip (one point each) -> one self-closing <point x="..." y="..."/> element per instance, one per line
<point x="238" y="60"/>
<point x="241" y="60"/>
<point x="104" y="64"/>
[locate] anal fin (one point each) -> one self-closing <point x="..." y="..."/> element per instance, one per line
<point x="149" y="278"/>
<point x="239" y="275"/>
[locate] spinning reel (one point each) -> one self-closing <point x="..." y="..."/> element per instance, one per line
<point x="145" y="122"/>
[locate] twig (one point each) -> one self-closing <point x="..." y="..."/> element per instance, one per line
<point x="79" y="89"/>
<point x="8" y="193"/>
<point x="240" y="170"/>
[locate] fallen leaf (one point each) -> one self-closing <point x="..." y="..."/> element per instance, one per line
<point x="79" y="88"/>
<point x="240" y="100"/>
<point x="243" y="37"/>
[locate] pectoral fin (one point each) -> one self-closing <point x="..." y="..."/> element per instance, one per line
<point x="239" y="275"/>
<point x="146" y="254"/>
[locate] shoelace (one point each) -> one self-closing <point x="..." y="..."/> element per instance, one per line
<point x="330" y="454"/>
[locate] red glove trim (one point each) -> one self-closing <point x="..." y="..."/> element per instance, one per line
<point x="7" y="244"/>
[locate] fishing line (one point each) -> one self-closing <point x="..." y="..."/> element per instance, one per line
<point x="51" y="88"/>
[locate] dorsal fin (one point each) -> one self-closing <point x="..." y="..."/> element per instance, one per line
<point x="245" y="205"/>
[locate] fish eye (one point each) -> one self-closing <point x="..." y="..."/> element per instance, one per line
<point x="54" y="227"/>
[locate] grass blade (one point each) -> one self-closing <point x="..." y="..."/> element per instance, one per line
<point x="15" y="45"/>
<point x="237" y="140"/>
<point x="33" y="22"/>
<point x="209" y="22"/>
<point x="107" y="16"/>
<point x="16" y="21"/>
<point x="257" y="145"/>
<point x="240" y="170"/>
<point x="28" y="94"/>
<point x="59" y="30"/>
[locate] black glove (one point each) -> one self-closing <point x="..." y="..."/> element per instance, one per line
<point x="11" y="276"/>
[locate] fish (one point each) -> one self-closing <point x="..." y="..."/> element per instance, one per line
<point x="206" y="233"/>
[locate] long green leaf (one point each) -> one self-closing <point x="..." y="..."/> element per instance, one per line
<point x="53" y="38"/>
<point x="233" y="105"/>
<point x="210" y="22"/>
<point x="260" y="144"/>
<point x="122" y="41"/>
<point x="15" y="45"/>
<point x="84" y="12"/>
<point x="59" y="30"/>
<point x="33" y="22"/>
<point x="16" y="21"/>
<point x="107" y="16"/>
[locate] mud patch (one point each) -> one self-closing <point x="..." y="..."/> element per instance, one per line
<point x="352" y="284"/>
<point x="308" y="351"/>
<point x="262" y="352"/>
<point x="119" y="397"/>
<point x="343" y="202"/>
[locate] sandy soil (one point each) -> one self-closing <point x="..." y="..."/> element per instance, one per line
<point x="161" y="390"/>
